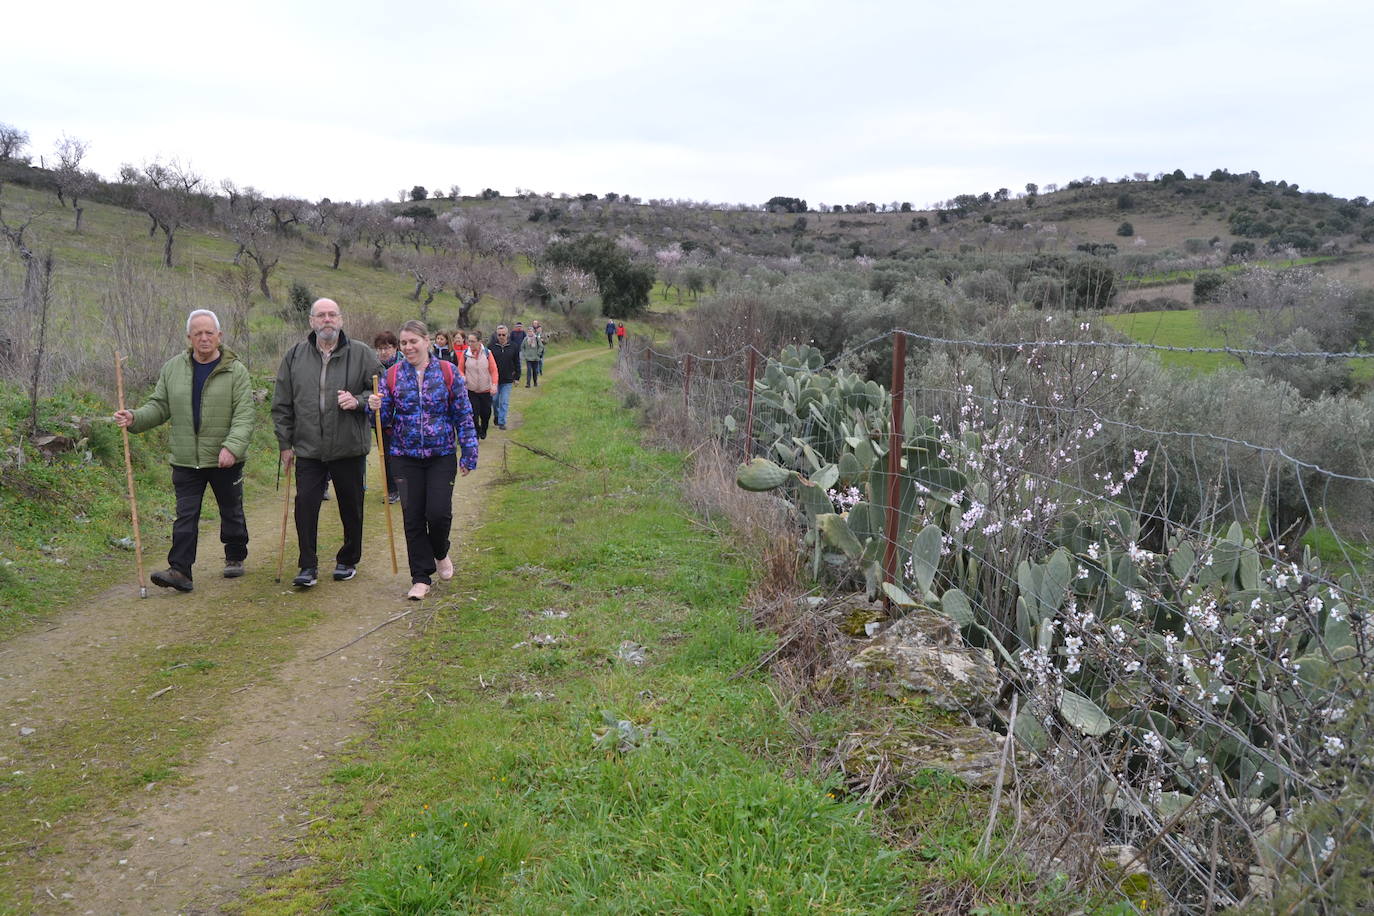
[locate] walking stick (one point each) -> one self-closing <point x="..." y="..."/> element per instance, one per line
<point x="285" y="513"/>
<point x="129" y="476"/>
<point x="381" y="457"/>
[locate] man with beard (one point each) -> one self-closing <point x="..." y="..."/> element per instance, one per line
<point x="319" y="413"/>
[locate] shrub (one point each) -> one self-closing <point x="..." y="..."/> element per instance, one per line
<point x="1126" y="230"/>
<point x="1206" y="285"/>
<point x="298" y="302"/>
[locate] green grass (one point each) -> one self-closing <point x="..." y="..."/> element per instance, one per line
<point x="1184" y="328"/>
<point x="1167" y="278"/>
<point x="521" y="778"/>
<point x="491" y="791"/>
<point x="1181" y="328"/>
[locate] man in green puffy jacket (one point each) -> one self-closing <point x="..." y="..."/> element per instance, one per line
<point x="319" y="412"/>
<point x="207" y="395"/>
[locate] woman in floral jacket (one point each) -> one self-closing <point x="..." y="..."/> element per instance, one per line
<point x="424" y="404"/>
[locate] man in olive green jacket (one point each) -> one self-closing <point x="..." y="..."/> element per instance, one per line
<point x="319" y="412"/>
<point x="207" y="395"/>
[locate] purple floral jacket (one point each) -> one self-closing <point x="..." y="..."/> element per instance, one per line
<point x="424" y="428"/>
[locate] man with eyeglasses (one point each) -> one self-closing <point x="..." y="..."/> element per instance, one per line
<point x="507" y="356"/>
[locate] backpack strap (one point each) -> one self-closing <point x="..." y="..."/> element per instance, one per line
<point x="446" y="367"/>
<point x="391" y="378"/>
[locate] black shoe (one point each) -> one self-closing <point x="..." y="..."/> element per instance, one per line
<point x="305" y="578"/>
<point x="172" y="578"/>
<point x="343" y="573"/>
<point x="233" y="569"/>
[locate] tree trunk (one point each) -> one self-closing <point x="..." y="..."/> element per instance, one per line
<point x="238" y="255"/>
<point x="152" y="230"/>
<point x="415" y="293"/>
<point x="167" y="246"/>
<point x="338" y="251"/>
<point x="42" y="274"/>
<point x="79" y="211"/>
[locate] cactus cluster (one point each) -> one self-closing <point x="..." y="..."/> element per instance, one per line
<point x="1205" y="675"/>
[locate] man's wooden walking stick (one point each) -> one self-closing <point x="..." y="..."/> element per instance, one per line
<point x="285" y="514"/>
<point x="386" y="496"/>
<point x="129" y="475"/>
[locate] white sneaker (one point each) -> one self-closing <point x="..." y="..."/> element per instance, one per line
<point x="417" y="591"/>
<point x="445" y="568"/>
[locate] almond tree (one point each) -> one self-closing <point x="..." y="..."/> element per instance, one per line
<point x="72" y="180"/>
<point x="250" y="222"/>
<point x="166" y="194"/>
<point x="12" y="142"/>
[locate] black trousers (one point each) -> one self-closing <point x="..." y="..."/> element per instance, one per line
<point x="347" y="474"/>
<point x="189" y="484"/>
<point x="481" y="411"/>
<point x="427" y="506"/>
<point x="532" y="372"/>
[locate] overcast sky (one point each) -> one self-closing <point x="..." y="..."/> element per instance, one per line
<point x="723" y="101"/>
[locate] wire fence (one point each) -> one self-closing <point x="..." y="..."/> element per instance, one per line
<point x="1179" y="618"/>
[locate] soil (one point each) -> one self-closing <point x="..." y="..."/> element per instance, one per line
<point x="234" y="812"/>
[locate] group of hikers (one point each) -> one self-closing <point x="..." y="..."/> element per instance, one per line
<point x="434" y="401"/>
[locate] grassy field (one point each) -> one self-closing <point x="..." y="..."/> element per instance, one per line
<point x="1168" y="278"/>
<point x="1185" y="328"/>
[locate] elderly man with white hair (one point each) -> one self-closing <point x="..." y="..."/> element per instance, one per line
<point x="207" y="395"/>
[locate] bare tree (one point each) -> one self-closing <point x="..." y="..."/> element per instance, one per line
<point x="251" y="224"/>
<point x="12" y="142"/>
<point x="374" y="226"/>
<point x="340" y="225"/>
<point x="72" y="180"/>
<point x="166" y="194"/>
<point x="475" y="277"/>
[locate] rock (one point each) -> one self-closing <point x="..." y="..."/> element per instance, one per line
<point x="971" y="753"/>
<point x="923" y="653"/>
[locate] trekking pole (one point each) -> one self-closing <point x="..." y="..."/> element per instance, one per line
<point x="381" y="458"/>
<point x="129" y="475"/>
<point x="285" y="513"/>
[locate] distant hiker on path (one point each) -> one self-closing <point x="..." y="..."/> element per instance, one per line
<point x="478" y="368"/>
<point x="532" y="355"/>
<point x="424" y="403"/>
<point x="538" y="330"/>
<point x="320" y="418"/>
<point x="442" y="350"/>
<point x="620" y="332"/>
<point x="610" y="335"/>
<point x="207" y="395"/>
<point x="507" y="356"/>
<point x="386" y="345"/>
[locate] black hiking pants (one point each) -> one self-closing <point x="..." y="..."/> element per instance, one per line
<point x="427" y="507"/>
<point x="312" y="475"/>
<point x="189" y="484"/>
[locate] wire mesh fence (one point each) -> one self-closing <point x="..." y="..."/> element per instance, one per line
<point x="1179" y="615"/>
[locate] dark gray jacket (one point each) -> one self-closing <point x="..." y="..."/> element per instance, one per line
<point x="330" y="433"/>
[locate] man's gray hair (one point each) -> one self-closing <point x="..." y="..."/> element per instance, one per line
<point x="196" y="314"/>
<point x="502" y="327"/>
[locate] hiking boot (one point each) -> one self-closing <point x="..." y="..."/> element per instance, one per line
<point x="233" y="569"/>
<point x="305" y="578"/>
<point x="417" y="591"/>
<point x="343" y="573"/>
<point x="172" y="578"/>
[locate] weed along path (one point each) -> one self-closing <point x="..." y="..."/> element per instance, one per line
<point x="161" y="754"/>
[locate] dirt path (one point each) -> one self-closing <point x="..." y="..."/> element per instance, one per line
<point x="192" y="847"/>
